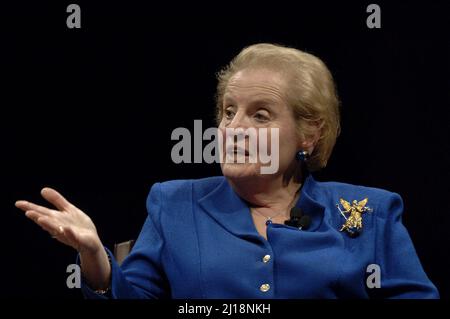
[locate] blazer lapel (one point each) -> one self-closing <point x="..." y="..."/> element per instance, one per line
<point x="229" y="210"/>
<point x="309" y="205"/>
<point x="232" y="212"/>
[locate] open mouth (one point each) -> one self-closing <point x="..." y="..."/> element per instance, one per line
<point x="237" y="151"/>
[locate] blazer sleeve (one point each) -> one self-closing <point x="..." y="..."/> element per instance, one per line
<point x="402" y="275"/>
<point x="141" y="274"/>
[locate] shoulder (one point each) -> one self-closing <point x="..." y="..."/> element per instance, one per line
<point x="172" y="200"/>
<point x="381" y="200"/>
<point x="183" y="189"/>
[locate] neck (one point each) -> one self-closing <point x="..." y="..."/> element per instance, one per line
<point x="269" y="194"/>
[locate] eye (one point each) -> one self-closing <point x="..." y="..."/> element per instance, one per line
<point x="262" y="116"/>
<point x="229" y="114"/>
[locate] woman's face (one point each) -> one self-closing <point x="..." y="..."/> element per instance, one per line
<point x="254" y="98"/>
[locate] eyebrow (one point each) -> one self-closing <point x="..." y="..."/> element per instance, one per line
<point x="257" y="101"/>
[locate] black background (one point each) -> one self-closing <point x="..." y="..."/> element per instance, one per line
<point x="90" y="111"/>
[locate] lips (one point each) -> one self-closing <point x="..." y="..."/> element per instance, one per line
<point x="237" y="150"/>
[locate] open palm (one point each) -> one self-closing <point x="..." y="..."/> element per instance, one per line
<point x="66" y="223"/>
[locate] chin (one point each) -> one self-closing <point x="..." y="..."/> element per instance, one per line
<point x="240" y="171"/>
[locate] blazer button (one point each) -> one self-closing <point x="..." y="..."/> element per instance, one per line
<point x="266" y="259"/>
<point x="264" y="287"/>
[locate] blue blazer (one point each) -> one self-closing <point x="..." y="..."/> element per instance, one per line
<point x="199" y="241"/>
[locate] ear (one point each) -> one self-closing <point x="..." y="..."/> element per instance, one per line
<point x="310" y="141"/>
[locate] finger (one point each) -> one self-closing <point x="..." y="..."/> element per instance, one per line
<point x="25" y="206"/>
<point x="71" y="236"/>
<point x="21" y="204"/>
<point x="51" y="226"/>
<point x="55" y="198"/>
<point x="43" y="221"/>
<point x="33" y="215"/>
<point x="65" y="235"/>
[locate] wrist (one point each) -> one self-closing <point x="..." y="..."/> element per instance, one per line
<point x="96" y="269"/>
<point x="93" y="250"/>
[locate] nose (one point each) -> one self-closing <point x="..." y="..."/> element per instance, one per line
<point x="240" y="130"/>
<point x="240" y="120"/>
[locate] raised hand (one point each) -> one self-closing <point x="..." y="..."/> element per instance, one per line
<point x="71" y="226"/>
<point x="66" y="223"/>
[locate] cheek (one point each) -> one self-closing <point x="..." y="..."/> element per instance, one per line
<point x="221" y="134"/>
<point x="287" y="152"/>
<point x="288" y="143"/>
<point x="221" y="125"/>
<point x="284" y="147"/>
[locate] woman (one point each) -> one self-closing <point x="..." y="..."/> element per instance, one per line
<point x="226" y="237"/>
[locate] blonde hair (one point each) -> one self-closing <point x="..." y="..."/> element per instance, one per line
<point x="310" y="92"/>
